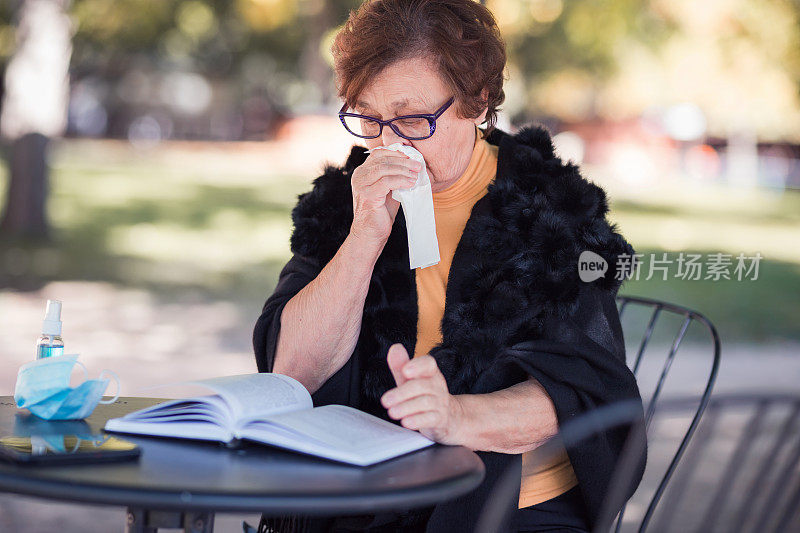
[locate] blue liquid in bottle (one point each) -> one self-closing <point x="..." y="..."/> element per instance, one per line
<point x="49" y="346"/>
<point x="50" y="343"/>
<point x="49" y="351"/>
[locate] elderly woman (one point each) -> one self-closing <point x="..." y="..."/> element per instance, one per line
<point x="498" y="343"/>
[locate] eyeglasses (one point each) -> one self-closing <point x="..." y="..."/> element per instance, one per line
<point x="411" y="127"/>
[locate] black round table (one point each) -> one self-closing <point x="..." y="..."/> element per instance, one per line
<point x="181" y="482"/>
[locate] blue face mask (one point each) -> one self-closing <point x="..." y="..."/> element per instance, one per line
<point x="43" y="388"/>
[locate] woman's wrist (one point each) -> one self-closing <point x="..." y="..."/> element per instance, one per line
<point x="466" y="412"/>
<point x="513" y="420"/>
<point x="463" y="433"/>
<point x="363" y="247"/>
<point x="476" y="423"/>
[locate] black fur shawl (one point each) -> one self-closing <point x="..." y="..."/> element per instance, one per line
<point x="515" y="305"/>
<point x="516" y="261"/>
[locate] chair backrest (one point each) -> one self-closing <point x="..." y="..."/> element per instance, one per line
<point x="495" y="517"/>
<point x="655" y="312"/>
<point x="741" y="472"/>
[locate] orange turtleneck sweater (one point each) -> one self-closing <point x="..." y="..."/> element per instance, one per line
<point x="452" y="208"/>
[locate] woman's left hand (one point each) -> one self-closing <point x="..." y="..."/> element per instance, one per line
<point x="421" y="400"/>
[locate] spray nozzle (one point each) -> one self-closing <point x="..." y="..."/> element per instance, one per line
<point x="52" y="318"/>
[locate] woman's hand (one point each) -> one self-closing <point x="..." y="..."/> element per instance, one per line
<point x="421" y="400"/>
<point x="374" y="209"/>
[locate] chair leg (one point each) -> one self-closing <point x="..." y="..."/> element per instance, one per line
<point x="136" y="522"/>
<point x="144" y="521"/>
<point x="200" y="522"/>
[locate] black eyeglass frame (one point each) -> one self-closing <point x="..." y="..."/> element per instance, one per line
<point x="431" y="117"/>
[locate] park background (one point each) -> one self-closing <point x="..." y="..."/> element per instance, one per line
<point x="153" y="150"/>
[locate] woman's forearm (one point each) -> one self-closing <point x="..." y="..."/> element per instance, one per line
<point x="513" y="420"/>
<point x="320" y="325"/>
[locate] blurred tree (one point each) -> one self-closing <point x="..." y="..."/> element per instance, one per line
<point x="739" y="61"/>
<point x="314" y="67"/>
<point x="564" y="52"/>
<point x="578" y="60"/>
<point x="34" y="109"/>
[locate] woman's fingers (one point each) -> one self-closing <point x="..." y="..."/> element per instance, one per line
<point x="387" y="169"/>
<point x="418" y="404"/>
<point x="422" y="366"/>
<point x="411" y="389"/>
<point x="391" y="155"/>
<point x="397" y="357"/>
<point x="387" y="184"/>
<point x="372" y="182"/>
<point x="421" y="421"/>
<point x="387" y="173"/>
<point x="385" y="164"/>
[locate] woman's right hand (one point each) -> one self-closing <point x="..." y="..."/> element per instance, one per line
<point x="374" y="209"/>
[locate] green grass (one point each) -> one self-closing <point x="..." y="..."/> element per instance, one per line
<point x="674" y="217"/>
<point x="168" y="228"/>
<point x="216" y="223"/>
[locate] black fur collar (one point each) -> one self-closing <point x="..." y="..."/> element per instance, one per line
<point x="516" y="262"/>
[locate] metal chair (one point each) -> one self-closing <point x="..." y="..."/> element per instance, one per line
<point x="659" y="310"/>
<point x="496" y="514"/>
<point x="492" y="518"/>
<point x="741" y="472"/>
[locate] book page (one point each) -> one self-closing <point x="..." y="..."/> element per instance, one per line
<point x="337" y="432"/>
<point x="239" y="397"/>
<point x="211" y="406"/>
<point x="204" y="417"/>
<point x="182" y="428"/>
<point x="259" y="395"/>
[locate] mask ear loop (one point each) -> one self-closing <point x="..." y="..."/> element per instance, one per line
<point x="77" y="445"/>
<point x="85" y="372"/>
<point x="97" y="443"/>
<point x="116" y="378"/>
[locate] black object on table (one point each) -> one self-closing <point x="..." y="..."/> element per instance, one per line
<point x="180" y="483"/>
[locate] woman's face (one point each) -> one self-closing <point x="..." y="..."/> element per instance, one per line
<point x="412" y="86"/>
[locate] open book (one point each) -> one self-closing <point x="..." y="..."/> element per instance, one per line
<point x="277" y="410"/>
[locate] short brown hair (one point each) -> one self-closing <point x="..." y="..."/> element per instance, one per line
<point x="461" y="35"/>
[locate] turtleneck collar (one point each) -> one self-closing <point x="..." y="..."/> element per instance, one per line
<point x="480" y="171"/>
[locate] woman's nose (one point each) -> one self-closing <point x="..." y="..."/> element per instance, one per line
<point x="389" y="136"/>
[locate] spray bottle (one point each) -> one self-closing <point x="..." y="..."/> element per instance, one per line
<point x="51" y="344"/>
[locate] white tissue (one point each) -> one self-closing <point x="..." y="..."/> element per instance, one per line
<point x="417" y="203"/>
